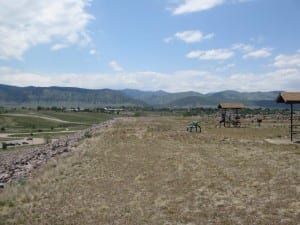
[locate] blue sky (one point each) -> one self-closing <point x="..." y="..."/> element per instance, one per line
<point x="171" y="45"/>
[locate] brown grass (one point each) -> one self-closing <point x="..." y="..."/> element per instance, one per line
<point x="151" y="171"/>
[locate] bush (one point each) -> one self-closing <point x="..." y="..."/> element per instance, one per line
<point x="87" y="135"/>
<point x="4" y="145"/>
<point x="21" y="181"/>
<point x="189" y="114"/>
<point x="47" y="139"/>
<point x="137" y="114"/>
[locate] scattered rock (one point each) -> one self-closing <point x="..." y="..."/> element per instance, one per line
<point x="25" y="161"/>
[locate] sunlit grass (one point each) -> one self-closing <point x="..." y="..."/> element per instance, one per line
<point x="22" y="123"/>
<point x="152" y="171"/>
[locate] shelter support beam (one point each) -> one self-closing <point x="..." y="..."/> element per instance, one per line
<point x="292" y="112"/>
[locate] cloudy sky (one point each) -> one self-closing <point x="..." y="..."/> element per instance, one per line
<point x="171" y="45"/>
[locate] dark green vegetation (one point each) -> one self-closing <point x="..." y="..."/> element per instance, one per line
<point x="11" y="96"/>
<point x="63" y="97"/>
<point x="195" y="99"/>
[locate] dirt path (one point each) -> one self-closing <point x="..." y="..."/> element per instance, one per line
<point x="41" y="117"/>
<point x="8" y="135"/>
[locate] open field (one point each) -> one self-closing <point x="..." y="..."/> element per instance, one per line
<point x="151" y="171"/>
<point x="49" y="125"/>
<point x="26" y="120"/>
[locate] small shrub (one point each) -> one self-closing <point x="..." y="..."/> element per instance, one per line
<point x="137" y="114"/>
<point x="47" y="140"/>
<point x="21" y="181"/>
<point x="87" y="135"/>
<point x="4" y="145"/>
<point x="8" y="203"/>
<point x="185" y="114"/>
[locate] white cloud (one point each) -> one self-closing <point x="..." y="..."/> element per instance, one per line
<point x="214" y="54"/>
<point x="4" y="70"/>
<point x="226" y="67"/>
<point x="168" y="39"/>
<point x="287" y="60"/>
<point x="209" y="36"/>
<point x="93" y="52"/>
<point x="26" y="79"/>
<point x="258" y="39"/>
<point x="260" y="53"/>
<point x="284" y="79"/>
<point x="250" y="51"/>
<point x="191" y="80"/>
<point x="242" y="47"/>
<point x="191" y="36"/>
<point x="115" y="66"/>
<point x="58" y="47"/>
<point x="189" y="6"/>
<point x="26" y="23"/>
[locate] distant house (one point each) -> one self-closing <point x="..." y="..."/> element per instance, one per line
<point x="112" y="110"/>
<point x="73" y="109"/>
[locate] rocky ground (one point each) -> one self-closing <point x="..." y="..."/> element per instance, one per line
<point x="17" y="163"/>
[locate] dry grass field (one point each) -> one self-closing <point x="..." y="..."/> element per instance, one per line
<point x="152" y="171"/>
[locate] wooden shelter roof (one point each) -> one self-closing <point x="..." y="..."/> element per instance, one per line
<point x="288" y="97"/>
<point x="226" y="105"/>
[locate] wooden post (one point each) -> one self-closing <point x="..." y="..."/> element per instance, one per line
<point x="225" y="118"/>
<point x="291" y="122"/>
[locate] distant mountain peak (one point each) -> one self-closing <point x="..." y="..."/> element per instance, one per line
<point x="73" y="96"/>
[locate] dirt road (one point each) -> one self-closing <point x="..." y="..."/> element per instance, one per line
<point x="38" y="116"/>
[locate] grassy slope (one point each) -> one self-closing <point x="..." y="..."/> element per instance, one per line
<point x="151" y="171"/>
<point x="80" y="117"/>
<point x="31" y="119"/>
<point x="27" y="123"/>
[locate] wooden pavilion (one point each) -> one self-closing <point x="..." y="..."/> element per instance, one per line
<point x="290" y="98"/>
<point x="225" y="106"/>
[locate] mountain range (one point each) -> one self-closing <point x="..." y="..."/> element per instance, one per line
<point x="13" y="96"/>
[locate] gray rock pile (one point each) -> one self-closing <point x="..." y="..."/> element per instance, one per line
<point x="20" y="163"/>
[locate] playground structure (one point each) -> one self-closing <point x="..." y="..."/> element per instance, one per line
<point x="291" y="98"/>
<point x="230" y="114"/>
<point x="192" y="125"/>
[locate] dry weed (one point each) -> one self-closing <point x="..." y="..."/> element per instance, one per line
<point x="151" y="171"/>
